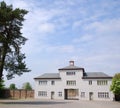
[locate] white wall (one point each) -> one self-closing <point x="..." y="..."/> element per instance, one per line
<point x="77" y="77"/>
<point x="81" y="84"/>
<point x="49" y="88"/>
<point x="85" y="87"/>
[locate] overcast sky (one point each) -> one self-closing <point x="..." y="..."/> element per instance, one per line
<point x="86" y="31"/>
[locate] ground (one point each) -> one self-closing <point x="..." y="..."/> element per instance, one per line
<point x="33" y="103"/>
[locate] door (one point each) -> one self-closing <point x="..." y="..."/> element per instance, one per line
<point x="52" y="94"/>
<point x="65" y="94"/>
<point x="71" y="94"/>
<point x="90" y="95"/>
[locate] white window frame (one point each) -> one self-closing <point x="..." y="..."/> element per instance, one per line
<point x="82" y="94"/>
<point x="102" y="82"/>
<point x="42" y="93"/>
<point x="90" y="82"/>
<point x="60" y="94"/>
<point x="71" y="82"/>
<point x="103" y="94"/>
<point x="52" y="82"/>
<point x="42" y="82"/>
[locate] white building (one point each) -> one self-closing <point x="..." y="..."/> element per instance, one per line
<point x="73" y="82"/>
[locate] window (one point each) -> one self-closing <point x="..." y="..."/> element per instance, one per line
<point x="42" y="82"/>
<point x="42" y="93"/>
<point x="102" y="82"/>
<point x="82" y="94"/>
<point x="90" y="82"/>
<point x="52" y="82"/>
<point x="60" y="94"/>
<point x="103" y="95"/>
<point x="70" y="73"/>
<point x="73" y="83"/>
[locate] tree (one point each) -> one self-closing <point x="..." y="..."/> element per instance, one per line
<point x="2" y="86"/>
<point x="12" y="87"/>
<point x="27" y="86"/>
<point x="115" y="87"/>
<point x="11" y="40"/>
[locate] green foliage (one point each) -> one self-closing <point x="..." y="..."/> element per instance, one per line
<point x="11" y="40"/>
<point x="115" y="87"/>
<point x="27" y="86"/>
<point x="12" y="87"/>
<point x="2" y="86"/>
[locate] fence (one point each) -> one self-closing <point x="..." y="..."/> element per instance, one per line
<point x="17" y="94"/>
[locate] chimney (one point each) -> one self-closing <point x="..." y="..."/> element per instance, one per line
<point x="71" y="63"/>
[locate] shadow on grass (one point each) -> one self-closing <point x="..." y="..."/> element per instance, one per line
<point x="34" y="102"/>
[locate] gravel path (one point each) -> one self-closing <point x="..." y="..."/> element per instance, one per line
<point x="57" y="104"/>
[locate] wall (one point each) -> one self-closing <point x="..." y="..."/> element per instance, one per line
<point x="18" y="94"/>
<point x="85" y="87"/>
<point x="60" y="84"/>
<point x="82" y="85"/>
<point x="49" y="88"/>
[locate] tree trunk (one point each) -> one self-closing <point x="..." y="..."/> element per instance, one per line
<point x="2" y="60"/>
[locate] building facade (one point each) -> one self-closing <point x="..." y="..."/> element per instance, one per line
<point x="72" y="82"/>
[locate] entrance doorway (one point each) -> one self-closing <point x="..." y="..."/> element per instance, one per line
<point x="71" y="94"/>
<point x="52" y="94"/>
<point x="90" y="95"/>
<point x="65" y="94"/>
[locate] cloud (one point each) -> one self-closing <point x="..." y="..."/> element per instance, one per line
<point x="101" y="32"/>
<point x="108" y="25"/>
<point x="39" y="22"/>
<point x="46" y="28"/>
<point x="61" y="49"/>
<point x="85" y="38"/>
<point x="21" y="4"/>
<point x="105" y="32"/>
<point x="86" y="20"/>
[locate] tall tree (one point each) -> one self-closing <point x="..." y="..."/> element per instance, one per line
<point x="11" y="40"/>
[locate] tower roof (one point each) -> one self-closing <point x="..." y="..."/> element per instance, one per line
<point x="71" y="67"/>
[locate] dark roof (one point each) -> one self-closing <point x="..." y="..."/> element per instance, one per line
<point x="88" y="75"/>
<point x="49" y="76"/>
<point x="96" y="75"/>
<point x="71" y="68"/>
